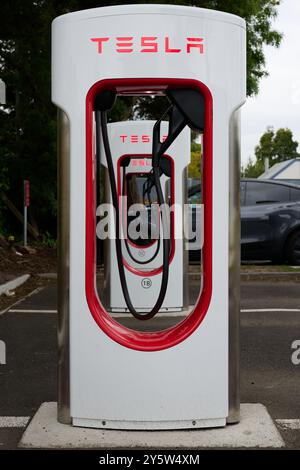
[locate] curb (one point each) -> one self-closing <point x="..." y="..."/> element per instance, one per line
<point x="270" y="276"/>
<point x="10" y="285"/>
<point x="48" y="275"/>
<point x="260" y="276"/>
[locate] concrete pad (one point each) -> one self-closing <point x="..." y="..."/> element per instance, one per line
<point x="256" y="429"/>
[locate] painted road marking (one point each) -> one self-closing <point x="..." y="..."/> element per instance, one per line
<point x="253" y="310"/>
<point x="293" y="424"/>
<point x="20" y="310"/>
<point x="165" y="314"/>
<point x="14" y="421"/>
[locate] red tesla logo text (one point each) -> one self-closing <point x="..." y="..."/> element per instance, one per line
<point x="151" y="44"/>
<point x="141" y="162"/>
<point x="138" y="139"/>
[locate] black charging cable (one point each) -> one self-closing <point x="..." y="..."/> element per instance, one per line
<point x="188" y="108"/>
<point x="101" y="122"/>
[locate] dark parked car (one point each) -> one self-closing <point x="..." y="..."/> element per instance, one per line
<point x="270" y="220"/>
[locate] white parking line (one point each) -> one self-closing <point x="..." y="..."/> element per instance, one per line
<point x="254" y="310"/>
<point x="165" y="314"/>
<point x="13" y="421"/>
<point x="293" y="424"/>
<point x="20" y="310"/>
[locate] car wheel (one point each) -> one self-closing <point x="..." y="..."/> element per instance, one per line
<point x="293" y="249"/>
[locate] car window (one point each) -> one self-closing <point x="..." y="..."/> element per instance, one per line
<point x="266" y="193"/>
<point x="194" y="194"/>
<point x="295" y="194"/>
<point x="195" y="198"/>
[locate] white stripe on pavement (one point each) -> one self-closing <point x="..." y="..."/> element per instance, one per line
<point x="165" y="314"/>
<point x="253" y="310"/>
<point x="293" y="424"/>
<point x="13" y="421"/>
<point x="20" y="310"/>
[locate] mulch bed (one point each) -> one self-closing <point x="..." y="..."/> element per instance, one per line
<point x="12" y="265"/>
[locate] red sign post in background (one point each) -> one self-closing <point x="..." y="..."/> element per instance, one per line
<point x="26" y="185"/>
<point x="26" y="193"/>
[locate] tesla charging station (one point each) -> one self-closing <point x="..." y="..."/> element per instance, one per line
<point x="131" y="144"/>
<point x="112" y="375"/>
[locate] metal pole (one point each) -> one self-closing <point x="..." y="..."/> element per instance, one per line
<point x="234" y="269"/>
<point x="63" y="401"/>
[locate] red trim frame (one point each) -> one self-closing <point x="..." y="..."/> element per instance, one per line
<point x="155" y="271"/>
<point x="148" y="341"/>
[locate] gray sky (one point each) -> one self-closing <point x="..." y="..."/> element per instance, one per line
<point x="278" y="101"/>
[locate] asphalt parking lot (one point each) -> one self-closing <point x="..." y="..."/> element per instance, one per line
<point x="270" y="323"/>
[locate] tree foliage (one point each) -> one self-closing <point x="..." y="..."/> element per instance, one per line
<point x="253" y="169"/>
<point x="28" y="121"/>
<point x="194" y="168"/>
<point x="276" y="146"/>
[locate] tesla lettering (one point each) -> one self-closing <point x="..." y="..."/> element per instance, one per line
<point x="135" y="139"/>
<point x="150" y="44"/>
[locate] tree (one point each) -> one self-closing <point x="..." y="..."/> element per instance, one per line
<point x="29" y="133"/>
<point x="253" y="169"/>
<point x="194" y="168"/>
<point x="276" y="146"/>
<point x="28" y="121"/>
